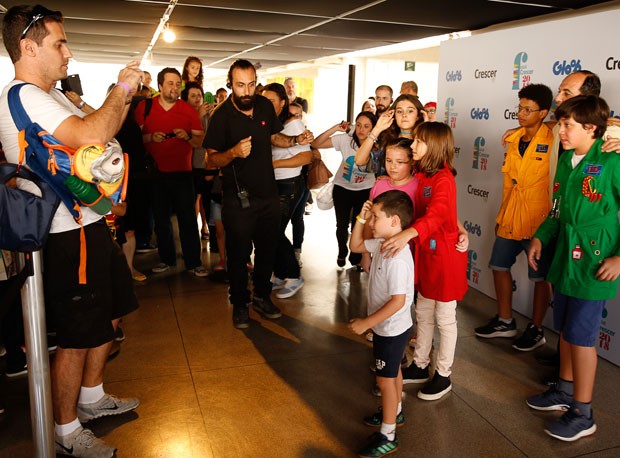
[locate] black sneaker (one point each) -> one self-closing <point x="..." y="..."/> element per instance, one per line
<point x="148" y="248"/>
<point x="241" y="317"/>
<point x="531" y="338"/>
<point x="436" y="388"/>
<point x="379" y="445"/>
<point x="497" y="328"/>
<point x="377" y="418"/>
<point x="266" y="308"/>
<point x="413" y="374"/>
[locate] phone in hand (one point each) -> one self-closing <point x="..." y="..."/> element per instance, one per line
<point x="209" y="98"/>
<point x="170" y="135"/>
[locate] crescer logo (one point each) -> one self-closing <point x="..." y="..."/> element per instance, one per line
<point x="473" y="271"/>
<point x="480" y="157"/>
<point x="450" y="115"/>
<point x="521" y="76"/>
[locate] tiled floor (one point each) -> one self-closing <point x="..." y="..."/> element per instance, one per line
<point x="299" y="386"/>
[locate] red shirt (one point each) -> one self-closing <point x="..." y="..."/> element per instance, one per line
<point x="441" y="271"/>
<point x="174" y="154"/>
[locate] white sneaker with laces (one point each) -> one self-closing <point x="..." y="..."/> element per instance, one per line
<point x="199" y="271"/>
<point x="277" y="283"/>
<point x="106" y="406"/>
<point x="290" y="288"/>
<point x="83" y="443"/>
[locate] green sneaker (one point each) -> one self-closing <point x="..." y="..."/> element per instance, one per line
<point x="377" y="418"/>
<point x="379" y="445"/>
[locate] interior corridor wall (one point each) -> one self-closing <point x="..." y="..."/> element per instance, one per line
<point x="479" y="78"/>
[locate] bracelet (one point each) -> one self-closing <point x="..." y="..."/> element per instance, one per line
<point x="81" y="104"/>
<point x="125" y="86"/>
<point x="360" y="219"/>
<point x="373" y="137"/>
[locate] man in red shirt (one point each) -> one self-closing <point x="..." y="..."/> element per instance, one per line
<point x="170" y="129"/>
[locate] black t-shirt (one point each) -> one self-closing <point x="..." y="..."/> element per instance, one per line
<point x="227" y="127"/>
<point x="130" y="139"/>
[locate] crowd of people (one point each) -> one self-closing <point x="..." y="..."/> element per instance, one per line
<point x="237" y="162"/>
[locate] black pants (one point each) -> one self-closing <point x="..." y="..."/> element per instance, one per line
<point x="347" y="205"/>
<point x="174" y="192"/>
<point x="290" y="191"/>
<point x="246" y="226"/>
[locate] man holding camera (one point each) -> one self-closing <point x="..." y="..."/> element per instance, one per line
<point x="239" y="138"/>
<point x="171" y="128"/>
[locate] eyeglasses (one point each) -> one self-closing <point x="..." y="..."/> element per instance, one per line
<point x="38" y="13"/>
<point x="431" y="111"/>
<point x="528" y="111"/>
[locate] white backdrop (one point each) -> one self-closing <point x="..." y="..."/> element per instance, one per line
<point x="479" y="78"/>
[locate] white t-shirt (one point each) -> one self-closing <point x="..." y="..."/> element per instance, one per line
<point x="294" y="127"/>
<point x="388" y="277"/>
<point x="49" y="111"/>
<point x="349" y="175"/>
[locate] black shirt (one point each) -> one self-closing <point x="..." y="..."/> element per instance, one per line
<point x="227" y="127"/>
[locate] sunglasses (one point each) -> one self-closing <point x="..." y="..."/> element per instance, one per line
<point x="39" y="12"/>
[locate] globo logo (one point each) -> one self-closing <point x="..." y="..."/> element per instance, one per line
<point x="472" y="228"/>
<point x="479" y="113"/>
<point x="565" y="67"/>
<point x="453" y="76"/>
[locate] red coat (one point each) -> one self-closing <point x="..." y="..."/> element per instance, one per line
<point x="441" y="271"/>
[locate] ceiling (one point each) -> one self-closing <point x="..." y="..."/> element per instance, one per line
<point x="272" y="32"/>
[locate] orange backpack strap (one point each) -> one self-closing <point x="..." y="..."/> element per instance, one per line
<point x="83" y="252"/>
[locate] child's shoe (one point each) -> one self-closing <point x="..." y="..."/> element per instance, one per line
<point x="377" y="418"/>
<point x="552" y="399"/>
<point x="436" y="389"/>
<point x="571" y="426"/>
<point x="379" y="445"/>
<point x="413" y="374"/>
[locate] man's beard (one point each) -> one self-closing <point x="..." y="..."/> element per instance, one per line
<point x="381" y="109"/>
<point x="244" y="103"/>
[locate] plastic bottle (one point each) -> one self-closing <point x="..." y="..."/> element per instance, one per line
<point x="87" y="194"/>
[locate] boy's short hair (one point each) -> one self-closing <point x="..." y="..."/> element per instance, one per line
<point x="397" y="203"/>
<point x="538" y="93"/>
<point x="586" y="109"/>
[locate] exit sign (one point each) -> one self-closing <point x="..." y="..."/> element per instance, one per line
<point x="409" y="66"/>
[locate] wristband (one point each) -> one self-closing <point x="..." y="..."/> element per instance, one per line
<point x="81" y="104"/>
<point x="360" y="219"/>
<point x="125" y="86"/>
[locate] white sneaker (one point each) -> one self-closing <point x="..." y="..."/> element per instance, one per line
<point x="277" y="283"/>
<point x="83" y="443"/>
<point x="199" y="271"/>
<point x="290" y="288"/>
<point x="160" y="268"/>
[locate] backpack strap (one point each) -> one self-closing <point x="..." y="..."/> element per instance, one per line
<point x="20" y="117"/>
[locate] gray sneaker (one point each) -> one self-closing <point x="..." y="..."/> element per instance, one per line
<point x="83" y="443"/>
<point x="106" y="406"/>
<point x="552" y="399"/>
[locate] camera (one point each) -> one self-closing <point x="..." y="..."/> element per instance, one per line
<point x="244" y="198"/>
<point x="170" y="135"/>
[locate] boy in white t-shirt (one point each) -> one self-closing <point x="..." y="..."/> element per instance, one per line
<point x="390" y="295"/>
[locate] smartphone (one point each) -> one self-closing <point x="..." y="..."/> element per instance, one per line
<point x="209" y="98"/>
<point x="170" y="135"/>
<point x="72" y="83"/>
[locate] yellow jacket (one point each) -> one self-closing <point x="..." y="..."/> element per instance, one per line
<point x="525" y="202"/>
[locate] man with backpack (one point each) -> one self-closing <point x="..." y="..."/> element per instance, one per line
<point x="88" y="286"/>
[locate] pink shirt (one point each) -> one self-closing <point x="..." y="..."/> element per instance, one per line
<point x="384" y="185"/>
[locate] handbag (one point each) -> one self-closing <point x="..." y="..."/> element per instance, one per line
<point x="25" y="219"/>
<point x="318" y="174"/>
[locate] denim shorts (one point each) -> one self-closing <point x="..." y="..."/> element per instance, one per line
<point x="216" y="213"/>
<point x="579" y="320"/>
<point x="388" y="352"/>
<point x="505" y="252"/>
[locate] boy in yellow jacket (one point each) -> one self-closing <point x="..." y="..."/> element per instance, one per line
<point x="525" y="205"/>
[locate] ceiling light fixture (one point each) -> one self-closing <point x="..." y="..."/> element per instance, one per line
<point x="168" y="35"/>
<point x="163" y="23"/>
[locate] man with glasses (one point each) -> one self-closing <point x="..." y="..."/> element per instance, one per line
<point x="525" y="205"/>
<point x="85" y="315"/>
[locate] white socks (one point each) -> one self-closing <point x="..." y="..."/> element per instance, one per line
<point x="388" y="431"/>
<point x="91" y="395"/>
<point x="67" y="428"/>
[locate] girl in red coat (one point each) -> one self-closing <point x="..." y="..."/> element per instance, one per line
<point x="440" y="257"/>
